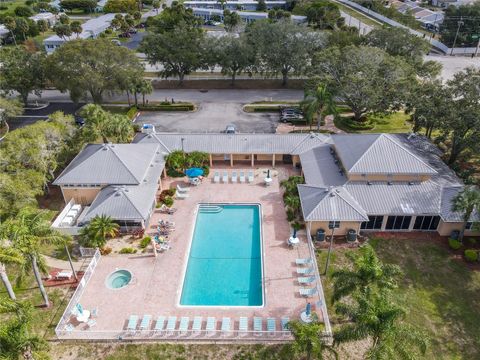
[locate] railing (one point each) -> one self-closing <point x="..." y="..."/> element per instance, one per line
<point x="179" y="335"/>
<point x="59" y="329"/>
<point x="87" y="252"/>
<point x="326" y="320"/>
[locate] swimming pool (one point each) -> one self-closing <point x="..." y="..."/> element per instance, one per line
<point x="225" y="261"/>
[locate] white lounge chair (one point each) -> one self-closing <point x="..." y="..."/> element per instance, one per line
<point x="182" y="189"/>
<point x="225" y="177"/>
<point x="250" y="176"/>
<point x="308" y="292"/>
<point x="243" y="325"/>
<point x="171" y="325"/>
<point x="258" y="326"/>
<point x="304" y="261"/>
<point x="305" y="271"/>
<point x="284" y="322"/>
<point x="197" y="325"/>
<point x="183" y="327"/>
<point x="216" y="177"/>
<point x="211" y="327"/>
<point x="145" y="323"/>
<point x="132" y="323"/>
<point x="271" y="326"/>
<point x="306" y="280"/>
<point x="242" y="177"/>
<point x="226" y="326"/>
<point x="159" y="325"/>
<point x="234" y="176"/>
<point x="180" y="195"/>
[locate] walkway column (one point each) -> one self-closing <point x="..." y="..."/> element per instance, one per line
<point x="253" y="160"/>
<point x="273" y="160"/>
<point x="231" y="160"/>
<point x="164" y="173"/>
<point x="210" y="159"/>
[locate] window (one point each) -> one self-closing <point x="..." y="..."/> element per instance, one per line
<point x="398" y="222"/>
<point x="333" y="224"/>
<point x="374" y="223"/>
<point x="426" y="223"/>
<point x="469" y="226"/>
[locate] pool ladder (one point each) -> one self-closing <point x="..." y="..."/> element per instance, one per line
<point x="210" y="208"/>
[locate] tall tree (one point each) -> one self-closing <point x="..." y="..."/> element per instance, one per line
<point x="366" y="78"/>
<point x="308" y="340"/>
<point x="323" y="15"/>
<point x="8" y="256"/>
<point x="180" y="52"/>
<point x="28" y="231"/>
<point x="98" y="231"/>
<point x="93" y="67"/>
<point x="100" y="124"/>
<point x="63" y="30"/>
<point x="172" y="17"/>
<point x="76" y="27"/>
<point x="22" y="71"/>
<point x="145" y="88"/>
<point x="261" y="5"/>
<point x="316" y="102"/>
<point x="368" y="273"/>
<point x="283" y="47"/>
<point x="42" y="25"/>
<point x="466" y="202"/>
<point x="231" y="20"/>
<point x="11" y="25"/>
<point x="376" y="318"/>
<point x="234" y="55"/>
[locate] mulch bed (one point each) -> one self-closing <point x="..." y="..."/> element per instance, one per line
<point x="52" y="282"/>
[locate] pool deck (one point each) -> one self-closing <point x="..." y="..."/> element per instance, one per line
<point x="157" y="281"/>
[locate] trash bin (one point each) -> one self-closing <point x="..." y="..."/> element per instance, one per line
<point x="455" y="234"/>
<point x="351" y="235"/>
<point x="320" y="235"/>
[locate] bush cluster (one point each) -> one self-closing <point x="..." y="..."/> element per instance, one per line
<point x="127" y="250"/>
<point x="471" y="255"/>
<point x="454" y="244"/>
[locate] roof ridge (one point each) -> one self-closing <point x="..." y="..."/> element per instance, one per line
<point x="307" y="136"/>
<point x="348" y="202"/>
<point x="123" y="188"/>
<point x="365" y="153"/>
<point x="343" y="198"/>
<point x="161" y="142"/>
<point x="124" y="164"/>
<point x="67" y="168"/>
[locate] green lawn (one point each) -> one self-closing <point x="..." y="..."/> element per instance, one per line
<point x="11" y="5"/>
<point x="392" y="123"/>
<point x="440" y="294"/>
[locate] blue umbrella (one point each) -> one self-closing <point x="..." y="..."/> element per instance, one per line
<point x="308" y="310"/>
<point x="194" y="172"/>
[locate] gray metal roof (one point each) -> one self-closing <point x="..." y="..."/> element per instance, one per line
<point x="319" y="167"/>
<point x="446" y="212"/>
<point x="293" y="144"/>
<point x="329" y="204"/>
<point x="378" y="154"/>
<point x="109" y="164"/>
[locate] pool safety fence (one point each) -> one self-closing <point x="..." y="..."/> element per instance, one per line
<point x="65" y="319"/>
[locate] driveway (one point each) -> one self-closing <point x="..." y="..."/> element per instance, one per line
<point x="134" y="42"/>
<point x="30" y="117"/>
<point x="211" y="117"/>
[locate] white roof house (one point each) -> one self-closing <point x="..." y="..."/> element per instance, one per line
<point x="248" y="5"/>
<point x="90" y="29"/>
<point x="4" y="31"/>
<point x="247" y="16"/>
<point x="50" y="18"/>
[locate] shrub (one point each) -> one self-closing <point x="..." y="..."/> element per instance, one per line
<point x="454" y="244"/>
<point x="23" y="11"/>
<point x="170" y="192"/>
<point x="145" y="242"/>
<point x="168" y="201"/>
<point x="127" y="250"/>
<point x="132" y="112"/>
<point x="3" y="7"/>
<point x="471" y="255"/>
<point x="290" y="215"/>
<point x="120" y="6"/>
<point x="471" y="241"/>
<point x="105" y="250"/>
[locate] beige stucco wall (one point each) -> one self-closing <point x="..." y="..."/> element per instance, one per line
<point x="242" y="157"/>
<point x="295" y="159"/>
<point x="83" y="196"/>
<point x="269" y="157"/>
<point x="446" y="228"/>
<point x="342" y="230"/>
<point x="383" y="177"/>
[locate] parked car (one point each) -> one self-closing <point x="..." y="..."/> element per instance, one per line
<point x="291" y="110"/>
<point x="290" y="117"/>
<point x="230" y="129"/>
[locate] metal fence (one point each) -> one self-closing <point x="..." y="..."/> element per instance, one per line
<point x="59" y="329"/>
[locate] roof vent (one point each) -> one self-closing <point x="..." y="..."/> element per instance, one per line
<point x="332" y="151"/>
<point x="412" y="135"/>
<point x="332" y="194"/>
<point x="389" y="183"/>
<point x="411" y="183"/>
<point x="369" y="183"/>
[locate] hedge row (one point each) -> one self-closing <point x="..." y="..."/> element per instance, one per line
<point x="169" y="107"/>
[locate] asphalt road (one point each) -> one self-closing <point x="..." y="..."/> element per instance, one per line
<point x="211" y="117"/>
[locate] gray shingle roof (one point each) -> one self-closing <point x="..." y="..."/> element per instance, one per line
<point x="329" y="204"/>
<point x="293" y="144"/>
<point x="113" y="164"/>
<point x="378" y="154"/>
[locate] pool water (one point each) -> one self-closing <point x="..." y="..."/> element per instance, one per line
<point x="225" y="262"/>
<point x="119" y="279"/>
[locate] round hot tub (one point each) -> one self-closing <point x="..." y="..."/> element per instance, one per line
<point x="118" y="279"/>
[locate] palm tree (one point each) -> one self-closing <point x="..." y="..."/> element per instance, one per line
<point x="466" y="202"/>
<point x="293" y="202"/>
<point x="222" y="3"/>
<point x="145" y="88"/>
<point x="375" y="317"/>
<point x="308" y="339"/>
<point x="98" y="230"/>
<point x="28" y="231"/>
<point x="8" y="255"/>
<point x="368" y="271"/>
<point x="15" y="338"/>
<point x="316" y="102"/>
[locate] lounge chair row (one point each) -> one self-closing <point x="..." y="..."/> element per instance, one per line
<point x="308" y="278"/>
<point x="234" y="179"/>
<point x="167" y="326"/>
